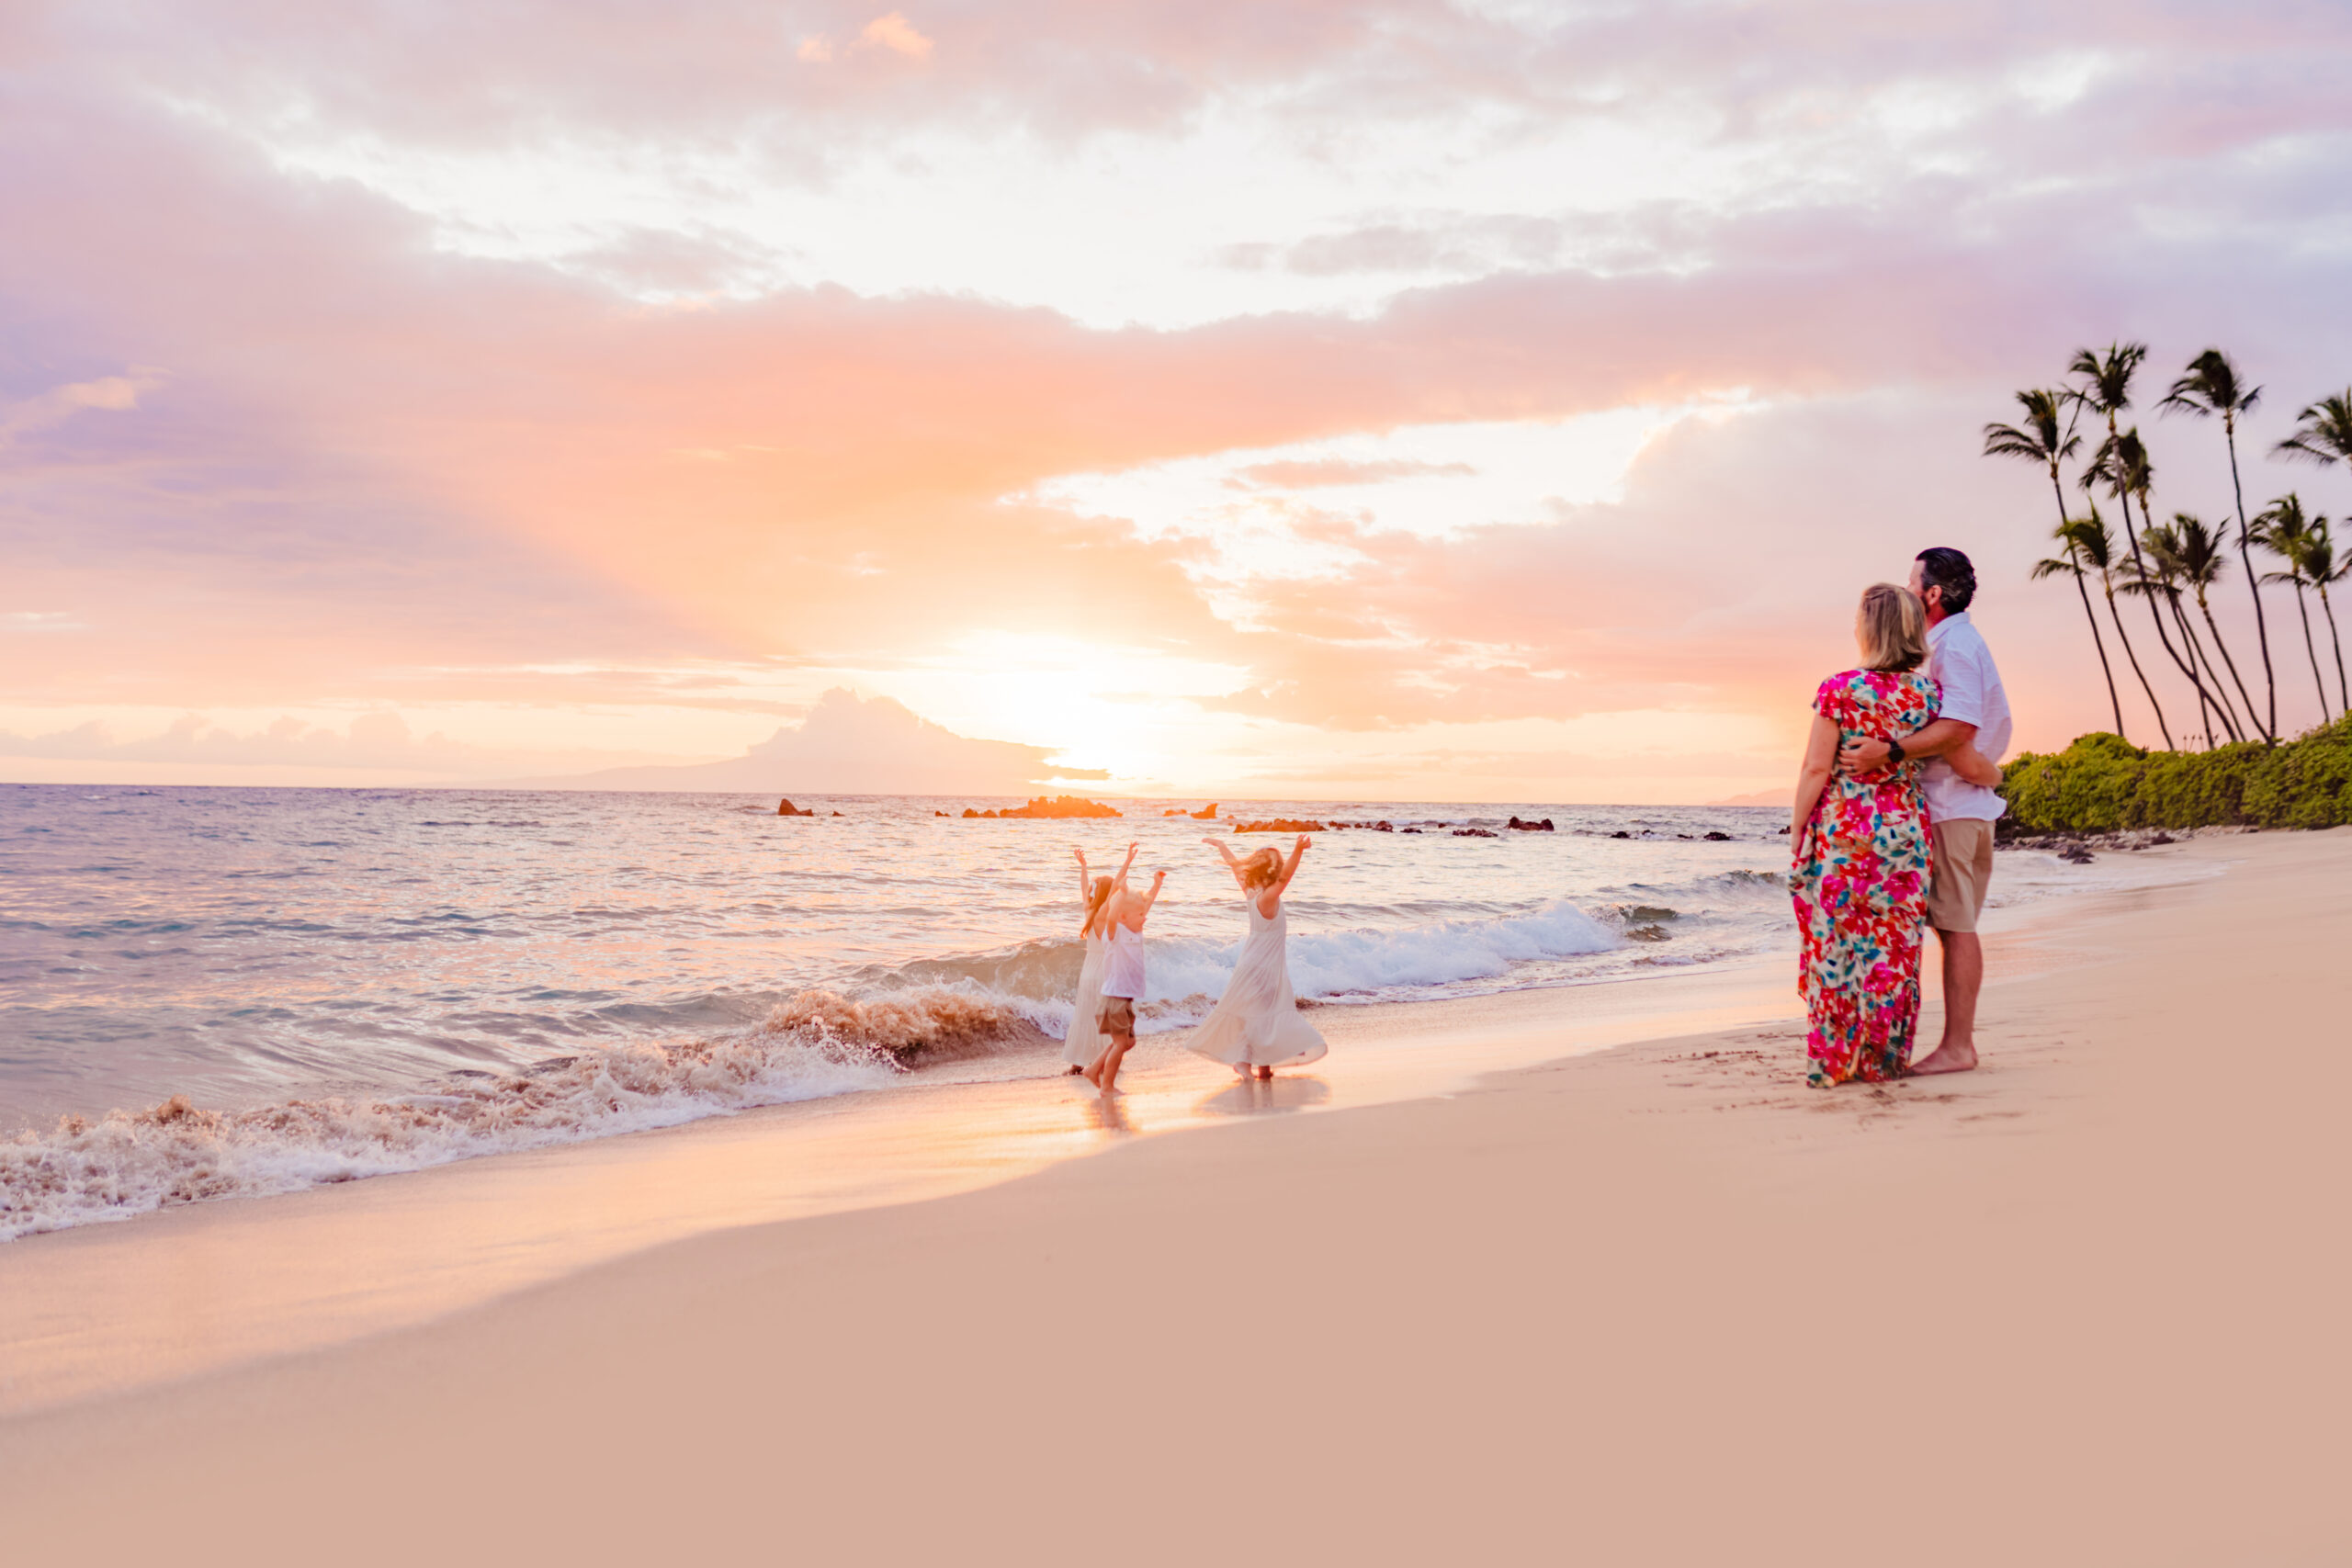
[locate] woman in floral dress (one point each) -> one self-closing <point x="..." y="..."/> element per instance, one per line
<point x="1860" y="848"/>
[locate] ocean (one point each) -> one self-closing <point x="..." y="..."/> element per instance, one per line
<point x="213" y="992"/>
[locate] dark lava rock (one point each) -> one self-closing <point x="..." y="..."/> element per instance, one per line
<point x="1647" y="933"/>
<point x="1543" y="826"/>
<point x="787" y="809"/>
<point x="1475" y="833"/>
<point x="1714" y="838"/>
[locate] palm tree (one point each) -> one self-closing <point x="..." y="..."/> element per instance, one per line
<point x="2140" y="473"/>
<point x="2165" y="575"/>
<point x="2121" y="464"/>
<point x="2104" y="387"/>
<point x="2202" y="561"/>
<point x="2325" y="435"/>
<point x="2038" y="439"/>
<point x="2089" y="539"/>
<point x="2285" y="531"/>
<point x="2070" y="564"/>
<point x="2321" y="565"/>
<point x="2212" y="386"/>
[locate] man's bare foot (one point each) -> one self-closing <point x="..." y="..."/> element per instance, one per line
<point x="1265" y="1072"/>
<point x="1949" y="1057"/>
<point x="1091" y="1075"/>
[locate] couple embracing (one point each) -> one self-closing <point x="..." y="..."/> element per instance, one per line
<point x="1255" y="1026"/>
<point x="1893" y="827"/>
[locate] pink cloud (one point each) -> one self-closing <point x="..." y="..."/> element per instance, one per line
<point x="371" y="462"/>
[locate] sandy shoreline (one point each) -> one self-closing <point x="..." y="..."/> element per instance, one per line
<point x="1656" y="1304"/>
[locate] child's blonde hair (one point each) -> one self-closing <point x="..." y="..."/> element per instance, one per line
<point x="1261" y="869"/>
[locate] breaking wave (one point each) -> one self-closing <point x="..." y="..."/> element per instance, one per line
<point x="814" y="1044"/>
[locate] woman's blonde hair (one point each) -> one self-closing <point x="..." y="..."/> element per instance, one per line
<point x="1893" y="627"/>
<point x="1261" y="869"/>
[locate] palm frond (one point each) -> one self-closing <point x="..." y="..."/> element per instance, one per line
<point x="2212" y="384"/>
<point x="2325" y="434"/>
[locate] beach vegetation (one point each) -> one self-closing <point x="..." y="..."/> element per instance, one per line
<point x="2103" y="783"/>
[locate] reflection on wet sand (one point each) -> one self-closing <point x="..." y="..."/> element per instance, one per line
<point x="1109" y="1112"/>
<point x="1253" y="1096"/>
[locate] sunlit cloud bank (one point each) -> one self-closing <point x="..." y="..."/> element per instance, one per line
<point x="1397" y="398"/>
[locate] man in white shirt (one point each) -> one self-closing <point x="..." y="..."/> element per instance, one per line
<point x="1960" y="814"/>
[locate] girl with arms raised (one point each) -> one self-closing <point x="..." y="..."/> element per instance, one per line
<point x="1085" y="1041"/>
<point x="1255" y="1026"/>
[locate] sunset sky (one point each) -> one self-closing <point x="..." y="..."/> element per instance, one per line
<point x="1480" y="401"/>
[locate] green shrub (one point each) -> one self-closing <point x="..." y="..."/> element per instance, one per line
<point x="2102" y="783"/>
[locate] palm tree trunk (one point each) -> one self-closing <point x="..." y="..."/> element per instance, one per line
<point x="2120" y="636"/>
<point x="2343" y="698"/>
<point x="2155" y="615"/>
<point x="2311" y="648"/>
<point x="2252" y="583"/>
<point x="2199" y="661"/>
<point x="2253" y="716"/>
<point x="2113" y="702"/>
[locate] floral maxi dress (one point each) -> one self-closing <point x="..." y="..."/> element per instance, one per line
<point x="1861" y="886"/>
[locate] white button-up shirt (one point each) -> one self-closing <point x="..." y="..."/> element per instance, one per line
<point x="1962" y="665"/>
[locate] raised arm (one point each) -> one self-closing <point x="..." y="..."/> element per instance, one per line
<point x="1290" y="868"/>
<point x="1231" y="864"/>
<point x="1085" y="883"/>
<point x="1820" y="759"/>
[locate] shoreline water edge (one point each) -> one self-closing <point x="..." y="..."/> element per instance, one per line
<point x="453" y="975"/>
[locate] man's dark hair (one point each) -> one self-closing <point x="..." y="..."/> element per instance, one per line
<point x="1946" y="569"/>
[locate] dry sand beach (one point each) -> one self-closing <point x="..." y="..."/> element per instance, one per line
<point x="1660" y="1304"/>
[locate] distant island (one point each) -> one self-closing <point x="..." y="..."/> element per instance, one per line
<point x="1058" y="807"/>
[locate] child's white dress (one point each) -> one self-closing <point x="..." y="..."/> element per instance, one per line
<point x="1256" y="1022"/>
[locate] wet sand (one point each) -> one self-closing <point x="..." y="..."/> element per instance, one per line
<point x="1655" y="1303"/>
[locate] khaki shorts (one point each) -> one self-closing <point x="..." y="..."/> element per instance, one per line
<point x="1117" y="1016"/>
<point x="1962" y="871"/>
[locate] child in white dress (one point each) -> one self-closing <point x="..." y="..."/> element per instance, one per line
<point x="1255" y="1026"/>
<point x="1085" y="1042"/>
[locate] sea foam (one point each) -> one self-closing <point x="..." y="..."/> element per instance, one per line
<point x="816" y="1043"/>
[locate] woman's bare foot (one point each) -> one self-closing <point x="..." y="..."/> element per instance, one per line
<point x="1953" y="1057"/>
<point x="1242" y="1068"/>
<point x="1072" y="1072"/>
